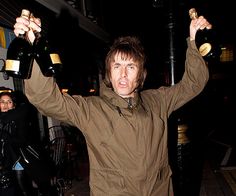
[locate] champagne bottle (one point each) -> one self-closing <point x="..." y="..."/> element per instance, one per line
<point x="46" y="56"/>
<point x="20" y="57"/>
<point x="206" y="40"/>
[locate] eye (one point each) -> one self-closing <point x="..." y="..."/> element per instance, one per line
<point x="115" y="66"/>
<point x="6" y="102"/>
<point x="131" y="66"/>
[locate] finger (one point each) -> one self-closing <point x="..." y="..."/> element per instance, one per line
<point x="22" y="20"/>
<point x="205" y="25"/>
<point x="35" y="24"/>
<point x="20" y="28"/>
<point x="209" y="26"/>
<point x="18" y="31"/>
<point x="37" y="21"/>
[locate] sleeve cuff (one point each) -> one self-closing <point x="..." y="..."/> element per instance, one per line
<point x="191" y="43"/>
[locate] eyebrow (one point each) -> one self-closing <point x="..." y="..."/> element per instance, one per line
<point x="133" y="64"/>
<point x="130" y="64"/>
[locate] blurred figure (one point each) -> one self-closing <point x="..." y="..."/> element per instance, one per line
<point x="7" y="177"/>
<point x="20" y="148"/>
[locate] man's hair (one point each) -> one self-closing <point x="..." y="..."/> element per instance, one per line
<point x="129" y="47"/>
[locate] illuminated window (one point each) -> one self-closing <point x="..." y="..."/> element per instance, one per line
<point x="227" y="54"/>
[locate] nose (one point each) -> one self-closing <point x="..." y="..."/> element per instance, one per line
<point x="123" y="72"/>
<point x="4" y="108"/>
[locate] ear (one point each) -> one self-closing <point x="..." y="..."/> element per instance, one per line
<point x="142" y="79"/>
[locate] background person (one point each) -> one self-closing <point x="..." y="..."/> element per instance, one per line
<point x="18" y="135"/>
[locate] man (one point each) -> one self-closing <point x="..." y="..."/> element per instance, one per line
<point x="125" y="128"/>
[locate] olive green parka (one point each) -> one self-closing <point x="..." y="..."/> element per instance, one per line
<point x="127" y="146"/>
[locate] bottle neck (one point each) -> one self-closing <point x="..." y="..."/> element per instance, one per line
<point x="193" y="14"/>
<point x="25" y="14"/>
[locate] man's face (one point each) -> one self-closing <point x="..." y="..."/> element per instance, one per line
<point x="6" y="103"/>
<point x="124" y="76"/>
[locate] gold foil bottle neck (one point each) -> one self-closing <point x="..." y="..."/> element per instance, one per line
<point x="25" y="13"/>
<point x="193" y="13"/>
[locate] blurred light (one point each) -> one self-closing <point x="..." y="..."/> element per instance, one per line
<point x="227" y="54"/>
<point x="5" y="90"/>
<point x="157" y="3"/>
<point x="64" y="90"/>
<point x="92" y="90"/>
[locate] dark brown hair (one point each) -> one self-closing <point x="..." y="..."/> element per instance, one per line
<point x="129" y="47"/>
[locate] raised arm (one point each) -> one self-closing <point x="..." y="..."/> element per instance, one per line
<point x="43" y="92"/>
<point x="196" y="72"/>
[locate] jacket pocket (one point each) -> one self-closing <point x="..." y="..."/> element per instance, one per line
<point x="107" y="181"/>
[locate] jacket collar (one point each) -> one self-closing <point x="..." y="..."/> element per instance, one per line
<point x="116" y="100"/>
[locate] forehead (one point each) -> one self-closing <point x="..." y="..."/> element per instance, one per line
<point x="120" y="56"/>
<point x="5" y="97"/>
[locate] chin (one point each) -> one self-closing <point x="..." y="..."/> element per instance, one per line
<point x="125" y="95"/>
<point x="122" y="94"/>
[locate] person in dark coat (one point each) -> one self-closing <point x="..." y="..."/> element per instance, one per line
<point x="20" y="148"/>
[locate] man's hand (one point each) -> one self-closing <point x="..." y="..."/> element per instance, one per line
<point x="196" y="24"/>
<point x="23" y="25"/>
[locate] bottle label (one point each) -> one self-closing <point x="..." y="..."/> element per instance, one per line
<point x="12" y="65"/>
<point x="55" y="58"/>
<point x="204" y="49"/>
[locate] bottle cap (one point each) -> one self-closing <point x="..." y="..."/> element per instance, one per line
<point x="193" y="13"/>
<point x="25" y="13"/>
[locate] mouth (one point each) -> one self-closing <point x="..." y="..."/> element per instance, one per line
<point x="123" y="84"/>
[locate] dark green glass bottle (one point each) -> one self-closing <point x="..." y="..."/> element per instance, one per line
<point x="20" y="55"/>
<point x="206" y="40"/>
<point x="46" y="56"/>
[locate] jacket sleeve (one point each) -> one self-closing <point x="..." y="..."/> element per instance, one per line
<point x="44" y="93"/>
<point x="194" y="79"/>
